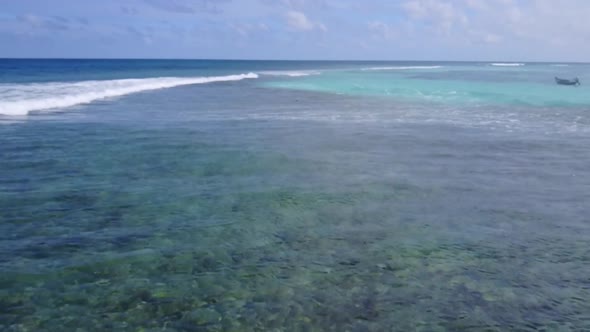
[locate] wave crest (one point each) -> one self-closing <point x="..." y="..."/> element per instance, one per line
<point x="507" y="64"/>
<point x="21" y="99"/>
<point x="401" y="68"/>
<point x="290" y="73"/>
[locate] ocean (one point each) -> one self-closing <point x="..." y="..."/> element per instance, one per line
<point x="201" y="195"/>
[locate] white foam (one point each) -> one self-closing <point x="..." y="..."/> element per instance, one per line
<point x="402" y="68"/>
<point x="21" y="99"/>
<point x="560" y="65"/>
<point x="290" y="73"/>
<point x="508" y="64"/>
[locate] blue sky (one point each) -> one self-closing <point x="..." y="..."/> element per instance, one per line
<point x="503" y="30"/>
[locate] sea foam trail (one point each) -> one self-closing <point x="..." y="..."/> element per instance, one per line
<point x="21" y="99"/>
<point x="401" y="68"/>
<point x="290" y="73"/>
<point x="501" y="64"/>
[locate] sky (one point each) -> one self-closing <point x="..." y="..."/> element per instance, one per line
<point x="480" y="30"/>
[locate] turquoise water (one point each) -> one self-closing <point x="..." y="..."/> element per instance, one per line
<point x="469" y="84"/>
<point x="275" y="196"/>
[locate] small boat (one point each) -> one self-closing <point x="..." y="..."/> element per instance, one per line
<point x="562" y="81"/>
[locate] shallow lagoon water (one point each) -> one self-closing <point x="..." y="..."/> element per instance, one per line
<point x="236" y="206"/>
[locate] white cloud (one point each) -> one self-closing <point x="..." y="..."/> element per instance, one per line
<point x="444" y="16"/>
<point x="534" y="24"/>
<point x="246" y="29"/>
<point x="383" y="30"/>
<point x="491" y="38"/>
<point x="32" y="20"/>
<point x="477" y="4"/>
<point x="453" y="29"/>
<point x="32" y="24"/>
<point x="188" y="7"/>
<point x="299" y="4"/>
<point x="484" y="37"/>
<point x="298" y="21"/>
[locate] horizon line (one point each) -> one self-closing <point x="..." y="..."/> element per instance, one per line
<point x="285" y="60"/>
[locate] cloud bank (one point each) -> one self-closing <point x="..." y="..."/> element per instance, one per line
<point x="510" y="30"/>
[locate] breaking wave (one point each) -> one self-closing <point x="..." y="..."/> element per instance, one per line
<point x="402" y="68"/>
<point x="21" y="99"/>
<point x="507" y="64"/>
<point x="290" y="73"/>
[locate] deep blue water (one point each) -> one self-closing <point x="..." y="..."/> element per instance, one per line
<point x="312" y="196"/>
